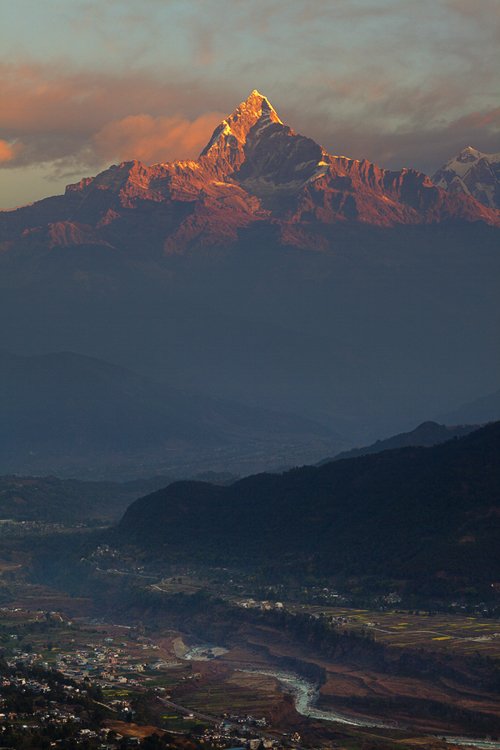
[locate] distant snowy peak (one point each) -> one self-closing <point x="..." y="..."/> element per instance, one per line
<point x="472" y="173"/>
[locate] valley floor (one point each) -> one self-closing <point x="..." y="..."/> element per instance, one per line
<point x="126" y="658"/>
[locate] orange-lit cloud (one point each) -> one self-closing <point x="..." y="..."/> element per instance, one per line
<point x="6" y="151"/>
<point x="47" y="97"/>
<point x="9" y="151"/>
<point x="479" y="10"/>
<point x="79" y="120"/>
<point x="479" y="120"/>
<point x="152" y="140"/>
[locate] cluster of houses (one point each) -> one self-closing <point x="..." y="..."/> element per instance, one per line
<point x="392" y="598"/>
<point x="246" y="721"/>
<point x="252" y="604"/>
<point x="54" y="714"/>
<point x="342" y="620"/>
<point x="220" y="733"/>
<point x="101" y="663"/>
<point x="24" y="684"/>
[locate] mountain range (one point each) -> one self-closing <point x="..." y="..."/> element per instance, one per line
<point x="479" y="411"/>
<point x="426" y="434"/>
<point x="53" y="500"/>
<point x="78" y="416"/>
<point x="255" y="171"/>
<point x="49" y="498"/>
<point x="267" y="272"/>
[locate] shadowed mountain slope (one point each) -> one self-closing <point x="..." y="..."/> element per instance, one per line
<point x="408" y="513"/>
<point x="67" y="413"/>
<point x="53" y="500"/>
<point x="484" y="409"/>
<point x="426" y="434"/>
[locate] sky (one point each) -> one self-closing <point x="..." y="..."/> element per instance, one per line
<point x="89" y="83"/>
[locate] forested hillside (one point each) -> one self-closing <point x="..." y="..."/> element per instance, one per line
<point x="411" y="513"/>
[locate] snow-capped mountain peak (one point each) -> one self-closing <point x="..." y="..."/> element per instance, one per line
<point x="472" y="173"/>
<point x="254" y="149"/>
<point x="256" y="109"/>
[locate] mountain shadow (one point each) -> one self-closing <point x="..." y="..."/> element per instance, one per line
<point x="411" y="513"/>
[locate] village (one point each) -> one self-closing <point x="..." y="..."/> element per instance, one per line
<point x="93" y="690"/>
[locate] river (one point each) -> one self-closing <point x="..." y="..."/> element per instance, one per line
<point x="306" y="695"/>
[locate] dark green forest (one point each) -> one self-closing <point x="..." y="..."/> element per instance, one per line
<point x="427" y="515"/>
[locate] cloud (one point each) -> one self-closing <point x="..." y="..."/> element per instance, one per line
<point x="79" y="120"/>
<point x="481" y="11"/>
<point x="38" y="97"/>
<point x="422" y="148"/>
<point x="203" y="40"/>
<point x="8" y="151"/>
<point x="478" y="120"/>
<point x="152" y="140"/>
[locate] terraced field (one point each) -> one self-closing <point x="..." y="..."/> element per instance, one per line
<point x="460" y="633"/>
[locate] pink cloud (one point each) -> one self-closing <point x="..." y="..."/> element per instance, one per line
<point x="155" y="139"/>
<point x="78" y="120"/>
<point x="478" y="120"/>
<point x="37" y="97"/>
<point x="6" y="151"/>
<point x="9" y="151"/>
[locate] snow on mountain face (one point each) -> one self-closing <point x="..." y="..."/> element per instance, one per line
<point x="256" y="150"/>
<point x="256" y="109"/>
<point x="472" y="173"/>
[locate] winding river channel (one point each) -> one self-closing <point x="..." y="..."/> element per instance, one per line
<point x="306" y="695"/>
<point x="304" y="692"/>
